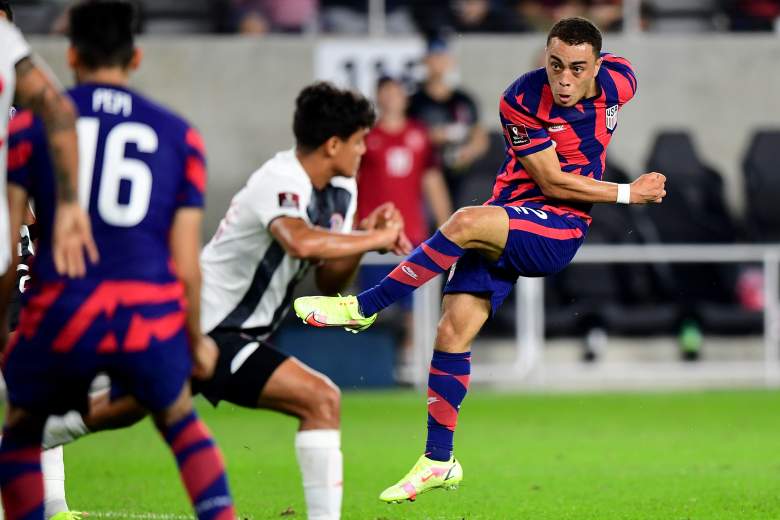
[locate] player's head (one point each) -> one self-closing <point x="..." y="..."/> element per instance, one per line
<point x="102" y="37"/>
<point x="6" y="11"/>
<point x="572" y="59"/>
<point x="391" y="96"/>
<point x="333" y="122"/>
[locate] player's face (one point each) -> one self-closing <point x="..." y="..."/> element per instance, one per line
<point x="346" y="159"/>
<point x="391" y="98"/>
<point x="571" y="71"/>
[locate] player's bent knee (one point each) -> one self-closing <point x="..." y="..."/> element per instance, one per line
<point x="460" y="225"/>
<point x="323" y="405"/>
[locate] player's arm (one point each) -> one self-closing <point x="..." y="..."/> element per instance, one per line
<point x="544" y="167"/>
<point x="303" y="241"/>
<point x="72" y="234"/>
<point x="185" y="251"/>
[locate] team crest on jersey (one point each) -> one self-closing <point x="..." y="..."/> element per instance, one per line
<point x="612" y="113"/>
<point x="289" y="200"/>
<point x="336" y="222"/>
<point x="518" y="135"/>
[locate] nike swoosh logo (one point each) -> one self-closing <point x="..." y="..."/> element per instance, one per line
<point x="427" y="478"/>
<point x="312" y="320"/>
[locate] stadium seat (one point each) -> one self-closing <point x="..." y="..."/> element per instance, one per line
<point x="762" y="186"/>
<point x="620" y="298"/>
<point x="695" y="212"/>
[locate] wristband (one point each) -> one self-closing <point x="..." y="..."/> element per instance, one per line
<point x="624" y="194"/>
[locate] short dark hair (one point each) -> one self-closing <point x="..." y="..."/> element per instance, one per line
<point x="103" y="32"/>
<point x="5" y="6"/>
<point x="323" y="111"/>
<point x="576" y="30"/>
<point x="385" y="79"/>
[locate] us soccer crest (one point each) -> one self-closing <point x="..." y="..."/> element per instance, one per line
<point x="612" y="117"/>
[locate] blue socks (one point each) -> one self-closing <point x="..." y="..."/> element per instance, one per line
<point x="448" y="382"/>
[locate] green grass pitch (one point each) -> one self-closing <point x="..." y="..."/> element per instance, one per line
<point x="671" y="456"/>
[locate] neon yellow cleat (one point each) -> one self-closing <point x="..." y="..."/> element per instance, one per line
<point x="69" y="515"/>
<point x="332" y="311"/>
<point x="427" y="474"/>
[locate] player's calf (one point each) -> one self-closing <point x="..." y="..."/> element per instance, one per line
<point x="21" y="479"/>
<point x="200" y="461"/>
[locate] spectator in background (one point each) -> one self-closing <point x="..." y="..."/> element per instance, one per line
<point x="542" y="14"/>
<point x="753" y="15"/>
<point x="400" y="166"/>
<point x="483" y="16"/>
<point x="264" y="16"/>
<point x="451" y="116"/>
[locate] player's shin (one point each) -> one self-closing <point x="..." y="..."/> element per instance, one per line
<point x="21" y="480"/>
<point x="448" y="382"/>
<point x="201" y="467"/>
<point x="433" y="257"/>
<point x="320" y="459"/>
<point x="53" y="465"/>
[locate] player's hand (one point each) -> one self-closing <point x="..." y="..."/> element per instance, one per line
<point x="402" y="246"/>
<point x="649" y="188"/>
<point x="72" y="236"/>
<point x="204" y="358"/>
<point x="379" y="217"/>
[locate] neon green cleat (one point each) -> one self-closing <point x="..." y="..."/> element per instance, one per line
<point x="69" y="515"/>
<point x="332" y="311"/>
<point x="427" y="474"/>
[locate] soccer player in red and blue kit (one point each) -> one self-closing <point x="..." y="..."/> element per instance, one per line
<point x="557" y="123"/>
<point x="135" y="315"/>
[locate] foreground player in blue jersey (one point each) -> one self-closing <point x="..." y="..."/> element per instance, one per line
<point x="557" y="122"/>
<point x="135" y="315"/>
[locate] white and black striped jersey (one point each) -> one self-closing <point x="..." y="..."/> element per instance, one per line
<point x="13" y="48"/>
<point x="248" y="278"/>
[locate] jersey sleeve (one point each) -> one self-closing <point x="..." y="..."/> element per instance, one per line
<point x="21" y="146"/>
<point x="277" y="194"/>
<point x="192" y="192"/>
<point x="14" y="46"/>
<point x="622" y="74"/>
<point x="524" y="133"/>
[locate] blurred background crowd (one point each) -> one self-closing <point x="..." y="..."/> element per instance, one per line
<point x="257" y="17"/>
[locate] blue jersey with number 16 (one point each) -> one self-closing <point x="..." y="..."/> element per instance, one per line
<point x="138" y="164"/>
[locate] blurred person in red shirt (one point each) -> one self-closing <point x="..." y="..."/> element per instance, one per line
<point x="400" y="166"/>
<point x="264" y="16"/>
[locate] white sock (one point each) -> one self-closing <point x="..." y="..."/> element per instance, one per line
<point x="53" y="466"/>
<point x="319" y="456"/>
<point x="62" y="429"/>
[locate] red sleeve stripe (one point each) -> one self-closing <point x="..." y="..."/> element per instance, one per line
<point x="21" y="121"/>
<point x="196" y="173"/>
<point x="195" y="140"/>
<point x="19" y="155"/>
<point x="516" y="116"/>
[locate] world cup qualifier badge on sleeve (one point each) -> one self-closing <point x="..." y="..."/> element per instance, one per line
<point x="518" y="134"/>
<point x="289" y="200"/>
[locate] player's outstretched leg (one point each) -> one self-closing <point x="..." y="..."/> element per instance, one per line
<point x="448" y="382"/>
<point x="200" y="462"/>
<point x="481" y="227"/>
<point x="21" y="479"/>
<point x="431" y="258"/>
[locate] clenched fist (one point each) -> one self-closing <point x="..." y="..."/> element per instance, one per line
<point x="648" y="188"/>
